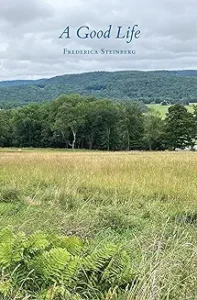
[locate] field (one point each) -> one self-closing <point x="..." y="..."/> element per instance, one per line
<point x="146" y="201"/>
<point x="163" y="109"/>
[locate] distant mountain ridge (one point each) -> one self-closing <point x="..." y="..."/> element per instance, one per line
<point x="9" y="83"/>
<point x="146" y="86"/>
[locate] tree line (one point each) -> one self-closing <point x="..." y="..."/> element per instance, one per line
<point x="85" y="122"/>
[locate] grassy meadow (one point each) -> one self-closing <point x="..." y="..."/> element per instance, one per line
<point x="163" y="109"/>
<point x="144" y="200"/>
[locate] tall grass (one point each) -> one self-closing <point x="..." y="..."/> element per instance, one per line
<point x="148" y="201"/>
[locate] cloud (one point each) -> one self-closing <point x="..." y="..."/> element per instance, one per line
<point x="21" y="11"/>
<point x="30" y="48"/>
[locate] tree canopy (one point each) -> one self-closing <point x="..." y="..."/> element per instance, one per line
<point x="86" y="122"/>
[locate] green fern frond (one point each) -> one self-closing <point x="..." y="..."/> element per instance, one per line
<point x="51" y="263"/>
<point x="72" y="271"/>
<point x="74" y="245"/>
<point x="40" y="266"/>
<point x="99" y="257"/>
<point x="6" y="235"/>
<point x="37" y="242"/>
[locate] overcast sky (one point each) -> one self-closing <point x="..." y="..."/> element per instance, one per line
<point x="30" y="48"/>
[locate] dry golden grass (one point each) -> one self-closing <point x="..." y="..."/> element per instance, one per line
<point x="134" y="175"/>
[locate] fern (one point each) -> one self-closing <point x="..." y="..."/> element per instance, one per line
<point x="11" y="248"/>
<point x="52" y="263"/>
<point x="74" y="245"/>
<point x="42" y="266"/>
<point x="37" y="242"/>
<point x="108" y="267"/>
<point x="97" y="259"/>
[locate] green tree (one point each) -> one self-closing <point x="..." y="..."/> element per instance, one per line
<point x="132" y="125"/>
<point x="70" y="118"/>
<point x="180" y="127"/>
<point x="5" y="128"/>
<point x="153" y="130"/>
<point x="27" y="126"/>
<point x="108" y="116"/>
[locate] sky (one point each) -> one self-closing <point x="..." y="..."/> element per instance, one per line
<point x="30" y="47"/>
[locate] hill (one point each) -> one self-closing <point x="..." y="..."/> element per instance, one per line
<point x="19" y="82"/>
<point x="173" y="86"/>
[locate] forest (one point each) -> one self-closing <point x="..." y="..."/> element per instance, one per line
<point x="85" y="122"/>
<point x="148" y="87"/>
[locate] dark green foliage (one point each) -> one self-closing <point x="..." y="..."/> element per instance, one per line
<point x="153" y="131"/>
<point x="89" y="123"/>
<point x="180" y="128"/>
<point x="43" y="266"/>
<point x="27" y="123"/>
<point x="5" y="128"/>
<point x="131" y="126"/>
<point x="157" y="86"/>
